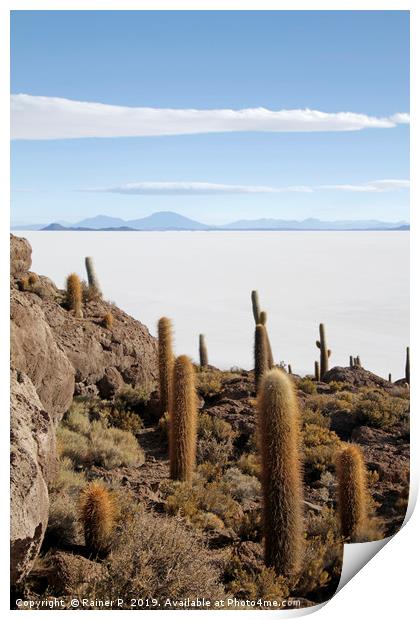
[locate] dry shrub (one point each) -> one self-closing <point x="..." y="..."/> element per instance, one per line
<point x="192" y="501"/>
<point x="323" y="556"/>
<point x="249" y="464"/>
<point x="159" y="558"/>
<point x="63" y="524"/>
<point x="244" y="488"/>
<point x="95" y="443"/>
<point x="215" y="439"/>
<point x="320" y="447"/>
<point x="307" y="385"/>
<point x="380" y="410"/>
<point x="252" y="581"/>
<point x="133" y="398"/>
<point x="209" y="382"/>
<point x="125" y="421"/>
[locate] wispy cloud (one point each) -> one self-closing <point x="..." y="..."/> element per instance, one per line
<point x="174" y="188"/>
<point x="384" y="185"/>
<point x="53" y="118"/>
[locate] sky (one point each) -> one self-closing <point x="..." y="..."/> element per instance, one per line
<point x="217" y="115"/>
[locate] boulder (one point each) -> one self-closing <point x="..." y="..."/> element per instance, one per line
<point x="33" y="464"/>
<point x="20" y="256"/>
<point x="357" y="376"/>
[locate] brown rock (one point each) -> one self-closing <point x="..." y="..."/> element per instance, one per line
<point x="20" y="256"/>
<point x="68" y="572"/>
<point x="32" y="465"/>
<point x="35" y="352"/>
<point x="356" y="376"/>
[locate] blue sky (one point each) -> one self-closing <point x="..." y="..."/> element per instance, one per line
<point x="331" y="61"/>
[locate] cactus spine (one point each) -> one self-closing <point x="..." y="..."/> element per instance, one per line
<point x="256" y="307"/>
<point x="407" y="365"/>
<point x="279" y="430"/>
<point x="166" y="361"/>
<point x="204" y="360"/>
<point x="323" y="349"/>
<point x="352" y="495"/>
<point x="97" y="512"/>
<point x="260" y="354"/>
<point x="74" y="295"/>
<point x="317" y="375"/>
<point x="183" y="421"/>
<point x="92" y="277"/>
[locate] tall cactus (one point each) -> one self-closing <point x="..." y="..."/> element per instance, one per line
<point x="407" y="365"/>
<point x="317" y="374"/>
<point x="263" y="321"/>
<point x="352" y="493"/>
<point x="256" y="307"/>
<point x="279" y="431"/>
<point x="75" y="295"/>
<point x="390" y="378"/>
<point x="260" y="354"/>
<point x="202" y="348"/>
<point x="323" y="349"/>
<point x="289" y="369"/>
<point x="183" y="421"/>
<point x="92" y="277"/>
<point x="166" y="361"/>
<point x="351" y="361"/>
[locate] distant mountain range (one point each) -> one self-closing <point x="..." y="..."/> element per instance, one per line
<point x="167" y="220"/>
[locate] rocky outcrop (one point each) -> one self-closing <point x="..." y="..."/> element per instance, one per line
<point x="357" y="376"/>
<point x="34" y="351"/>
<point x="32" y="465"/>
<point x="20" y="256"/>
<point x="55" y="356"/>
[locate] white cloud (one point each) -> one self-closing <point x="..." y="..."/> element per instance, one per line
<point x="194" y="188"/>
<point x="384" y="185"/>
<point x="53" y="118"/>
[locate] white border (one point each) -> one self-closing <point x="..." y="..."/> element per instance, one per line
<point x="386" y="586"/>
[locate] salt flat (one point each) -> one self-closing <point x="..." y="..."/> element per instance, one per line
<point x="357" y="283"/>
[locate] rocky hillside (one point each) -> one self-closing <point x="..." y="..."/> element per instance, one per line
<point x="54" y="357"/>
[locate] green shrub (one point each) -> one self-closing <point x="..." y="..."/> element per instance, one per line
<point x="307" y="385"/>
<point x="320" y="447"/>
<point x="133" y="399"/>
<point x="382" y="411"/>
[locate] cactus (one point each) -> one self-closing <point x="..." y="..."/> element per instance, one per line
<point x="317" y="374"/>
<point x="108" y="320"/>
<point x="260" y="354"/>
<point x="279" y="431"/>
<point x="183" y="421"/>
<point x="97" y="513"/>
<point x="324" y="351"/>
<point x="33" y="278"/>
<point x="289" y="369"/>
<point x="256" y="307"/>
<point x="92" y="277"/>
<point x="166" y="361"/>
<point x="390" y="378"/>
<point x="74" y="295"/>
<point x="358" y="362"/>
<point x="352" y="494"/>
<point x="263" y="317"/>
<point x="204" y="360"/>
<point x="407" y="365"/>
<point x="351" y="361"/>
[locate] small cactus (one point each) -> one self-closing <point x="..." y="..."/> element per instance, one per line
<point x="260" y="354"/>
<point x="33" y="278"/>
<point x="324" y="351"/>
<point x="352" y="494"/>
<point x="97" y="513"/>
<point x="351" y="361"/>
<point x="183" y="421"/>
<point x="108" y="320"/>
<point x="92" y="277"/>
<point x="279" y="437"/>
<point x="289" y="369"/>
<point x="166" y="361"/>
<point x="75" y="295"/>
<point x="204" y="360"/>
<point x="256" y="307"/>
<point x="407" y="365"/>
<point x="390" y="378"/>
<point x="317" y="374"/>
